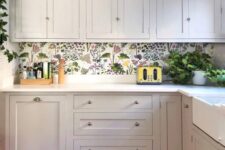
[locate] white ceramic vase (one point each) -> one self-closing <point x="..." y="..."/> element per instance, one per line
<point x="199" y="78"/>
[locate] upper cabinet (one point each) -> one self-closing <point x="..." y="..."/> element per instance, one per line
<point x="41" y="19"/>
<point x="205" y="18"/>
<point x="125" y="19"/>
<point x="30" y="20"/>
<point x="170" y="18"/>
<point x="101" y="18"/>
<point x="63" y="19"/>
<point x="117" y="21"/>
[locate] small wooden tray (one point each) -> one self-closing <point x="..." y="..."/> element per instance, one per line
<point x="35" y="81"/>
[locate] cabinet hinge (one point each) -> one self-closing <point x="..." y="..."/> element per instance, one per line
<point x="160" y="105"/>
<point x="192" y="139"/>
<point x="221" y="10"/>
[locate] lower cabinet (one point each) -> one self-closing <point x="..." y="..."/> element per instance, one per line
<point x="202" y="141"/>
<point x="171" y="135"/>
<point x="94" y="121"/>
<point x="37" y="123"/>
<point x="113" y="145"/>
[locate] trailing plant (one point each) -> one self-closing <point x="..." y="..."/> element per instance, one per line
<point x="198" y="61"/>
<point x="177" y="69"/>
<point x="3" y="32"/>
<point x="216" y="76"/>
<point x="181" y="66"/>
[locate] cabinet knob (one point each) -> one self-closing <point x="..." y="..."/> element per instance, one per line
<point x="117" y="19"/>
<point x="37" y="99"/>
<point x="136" y="102"/>
<point x="137" y="124"/>
<point x="188" y="19"/>
<point x="47" y="18"/>
<point x="89" y="102"/>
<point x="89" y="124"/>
<point x="186" y="106"/>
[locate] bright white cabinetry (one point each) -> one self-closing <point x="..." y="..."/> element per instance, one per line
<point x="37" y="123"/>
<point x="30" y="19"/>
<point x="45" y="19"/>
<point x="171" y="124"/>
<point x="187" y="124"/>
<point x="171" y="16"/>
<point x="205" y="19"/>
<point x="202" y="141"/>
<point x="64" y="16"/>
<point x="101" y="15"/>
<point x="126" y="19"/>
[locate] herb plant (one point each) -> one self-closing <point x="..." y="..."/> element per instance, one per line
<point x="216" y="76"/>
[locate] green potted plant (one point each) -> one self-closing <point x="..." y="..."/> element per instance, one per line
<point x="177" y="68"/>
<point x="216" y="76"/>
<point x="199" y="63"/>
<point x="191" y="66"/>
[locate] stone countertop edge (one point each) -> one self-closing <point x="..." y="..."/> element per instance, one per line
<point x="189" y="91"/>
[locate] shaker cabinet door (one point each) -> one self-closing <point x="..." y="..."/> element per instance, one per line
<point x="63" y="19"/>
<point x="171" y="123"/>
<point x="30" y="19"/>
<point x="101" y="18"/>
<point x="171" y="16"/>
<point x="37" y="123"/>
<point x="205" y="19"/>
<point x="133" y="19"/>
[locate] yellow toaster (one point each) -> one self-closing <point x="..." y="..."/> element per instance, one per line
<point x="149" y="75"/>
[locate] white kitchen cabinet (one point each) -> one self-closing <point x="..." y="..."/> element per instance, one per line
<point x="187" y="123"/>
<point x="125" y="19"/>
<point x="30" y="19"/>
<point x="133" y="18"/>
<point x="201" y="141"/>
<point x="42" y="20"/>
<point x="170" y="18"/>
<point x="63" y="19"/>
<point x="223" y="16"/>
<point x="37" y="123"/>
<point x="204" y="19"/>
<point x="171" y="124"/>
<point x="101" y="18"/>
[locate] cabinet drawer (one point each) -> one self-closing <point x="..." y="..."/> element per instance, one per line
<point x="112" y="103"/>
<point x="113" y="144"/>
<point x="113" y="124"/>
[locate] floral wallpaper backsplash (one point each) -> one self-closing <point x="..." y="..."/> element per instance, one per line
<point x="106" y="58"/>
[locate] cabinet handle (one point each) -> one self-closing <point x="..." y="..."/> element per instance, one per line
<point x="37" y="99"/>
<point x="186" y="106"/>
<point x="137" y="124"/>
<point x="89" y="124"/>
<point x="188" y="19"/>
<point x="136" y="102"/>
<point x="89" y="102"/>
<point x="117" y="19"/>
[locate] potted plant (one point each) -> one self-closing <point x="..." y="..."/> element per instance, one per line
<point x="216" y="76"/>
<point x="177" y="68"/>
<point x="199" y="63"/>
<point x="191" y="66"/>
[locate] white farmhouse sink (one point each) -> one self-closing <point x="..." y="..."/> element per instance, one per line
<point x="209" y="115"/>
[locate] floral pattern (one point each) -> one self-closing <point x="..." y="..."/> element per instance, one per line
<point x="106" y="58"/>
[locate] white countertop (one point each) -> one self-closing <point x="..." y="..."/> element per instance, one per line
<point x="186" y="90"/>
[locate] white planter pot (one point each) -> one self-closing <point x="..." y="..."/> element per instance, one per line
<point x="199" y="78"/>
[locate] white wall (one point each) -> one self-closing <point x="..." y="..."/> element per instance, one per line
<point x="7" y="70"/>
<point x="219" y="55"/>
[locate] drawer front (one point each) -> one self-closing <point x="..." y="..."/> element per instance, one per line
<point x="113" y="124"/>
<point x="112" y="103"/>
<point x="113" y="145"/>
